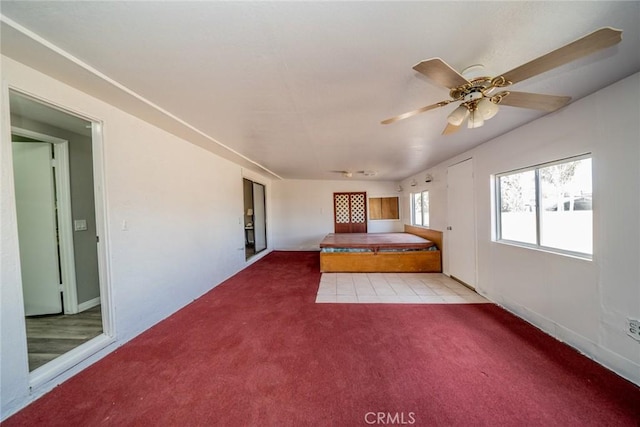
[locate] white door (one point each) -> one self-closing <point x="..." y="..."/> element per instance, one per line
<point x="35" y="205"/>
<point x="461" y="230"/>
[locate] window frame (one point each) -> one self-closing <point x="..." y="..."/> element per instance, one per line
<point x="413" y="208"/>
<point x="538" y="208"/>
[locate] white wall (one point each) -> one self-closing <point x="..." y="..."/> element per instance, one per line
<point x="584" y="303"/>
<point x="303" y="210"/>
<point x="183" y="208"/>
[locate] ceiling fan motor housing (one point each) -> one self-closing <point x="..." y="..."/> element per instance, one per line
<point x="473" y="94"/>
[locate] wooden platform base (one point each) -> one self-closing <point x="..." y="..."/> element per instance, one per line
<point x="387" y="262"/>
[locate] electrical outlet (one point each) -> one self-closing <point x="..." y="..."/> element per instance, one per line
<point x="633" y="329"/>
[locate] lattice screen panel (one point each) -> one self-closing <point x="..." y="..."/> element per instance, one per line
<point x="342" y="208"/>
<point x="358" y="208"/>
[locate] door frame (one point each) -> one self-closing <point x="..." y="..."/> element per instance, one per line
<point x="263" y="207"/>
<point x="69" y="364"/>
<point x="63" y="212"/>
<point x="472" y="280"/>
<point x="254" y="182"/>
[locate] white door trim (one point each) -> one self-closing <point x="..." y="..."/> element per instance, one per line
<point x="461" y="231"/>
<point x="100" y="197"/>
<point x="64" y="367"/>
<point x="65" y="217"/>
<point x="60" y="369"/>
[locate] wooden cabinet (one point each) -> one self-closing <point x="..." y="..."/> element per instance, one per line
<point x="384" y="208"/>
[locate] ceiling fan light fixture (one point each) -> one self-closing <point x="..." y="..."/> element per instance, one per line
<point x="487" y="109"/>
<point x="458" y="115"/>
<point x="475" y="120"/>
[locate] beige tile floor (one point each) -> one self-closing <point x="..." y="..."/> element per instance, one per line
<point x="394" y="288"/>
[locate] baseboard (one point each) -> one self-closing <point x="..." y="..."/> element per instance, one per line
<point x="622" y="366"/>
<point x="311" y="248"/>
<point x="89" y="304"/>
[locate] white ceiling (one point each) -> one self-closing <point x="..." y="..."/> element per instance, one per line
<point x="300" y="88"/>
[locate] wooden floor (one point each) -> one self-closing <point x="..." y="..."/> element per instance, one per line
<point x="51" y="336"/>
<point x="249" y="251"/>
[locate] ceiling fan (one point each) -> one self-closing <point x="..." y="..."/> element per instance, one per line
<point x="477" y="97"/>
<point x="349" y="174"/>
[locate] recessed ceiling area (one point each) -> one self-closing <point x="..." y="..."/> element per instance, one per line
<point x="299" y="89"/>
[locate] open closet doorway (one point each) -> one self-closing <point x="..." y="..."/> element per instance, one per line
<point x="57" y="221"/>
<point x="255" y="221"/>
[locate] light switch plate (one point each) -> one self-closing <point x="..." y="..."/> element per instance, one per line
<point x="79" y="225"/>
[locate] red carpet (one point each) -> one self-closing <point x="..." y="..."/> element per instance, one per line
<point x="257" y="350"/>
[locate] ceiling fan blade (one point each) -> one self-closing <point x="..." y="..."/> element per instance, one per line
<point x="591" y="43"/>
<point x="449" y="129"/>
<point x="440" y="72"/>
<point x="535" y="101"/>
<point x="414" y="112"/>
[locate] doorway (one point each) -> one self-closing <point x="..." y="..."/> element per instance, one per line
<point x="37" y="194"/>
<point x="53" y="164"/>
<point x="461" y="242"/>
<point x="255" y="220"/>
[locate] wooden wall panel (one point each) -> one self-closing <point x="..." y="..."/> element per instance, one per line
<point x="384" y="208"/>
<point x="426" y="233"/>
<point x="375" y="208"/>
<point x="390" y="208"/>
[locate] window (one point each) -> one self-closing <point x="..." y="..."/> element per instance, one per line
<point x="420" y="208"/>
<point x="548" y="206"/>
